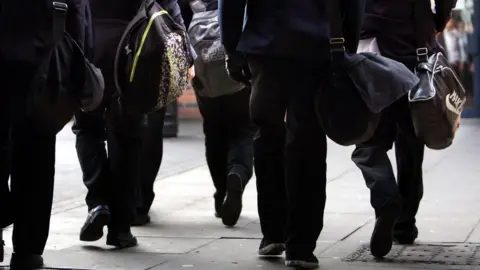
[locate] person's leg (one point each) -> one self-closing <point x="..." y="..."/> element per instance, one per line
<point x="239" y="132"/>
<point x="124" y="149"/>
<point x="216" y="148"/>
<point x="306" y="160"/>
<point x="90" y="131"/>
<point x="150" y="161"/>
<point x="268" y="105"/>
<point x="372" y="159"/>
<point x="32" y="174"/>
<point x="5" y="198"/>
<point x="91" y="134"/>
<point x="409" y="152"/>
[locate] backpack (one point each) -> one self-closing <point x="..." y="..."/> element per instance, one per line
<point x="151" y="61"/>
<point x="65" y="81"/>
<point x="211" y="77"/>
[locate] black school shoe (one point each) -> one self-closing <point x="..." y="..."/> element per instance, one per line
<point x="309" y="262"/>
<point x="232" y="207"/>
<point x="26" y="262"/>
<point x="92" y="229"/>
<point x="121" y="238"/>
<point x="382" y="236"/>
<point x="405" y="236"/>
<point x="268" y="248"/>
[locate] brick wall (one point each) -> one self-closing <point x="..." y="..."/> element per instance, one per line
<point x="187" y="105"/>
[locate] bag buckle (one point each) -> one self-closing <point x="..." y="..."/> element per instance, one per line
<point x="60" y="7"/>
<point x="422" y="54"/>
<point x="337" y="45"/>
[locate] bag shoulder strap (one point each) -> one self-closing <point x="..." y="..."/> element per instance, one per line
<point x="420" y="8"/>
<point x="337" y="39"/>
<point x="60" y="9"/>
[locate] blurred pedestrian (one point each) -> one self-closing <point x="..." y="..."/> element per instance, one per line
<point x="284" y="45"/>
<point x="393" y="27"/>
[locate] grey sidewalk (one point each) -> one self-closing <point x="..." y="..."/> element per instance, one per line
<point x="184" y="233"/>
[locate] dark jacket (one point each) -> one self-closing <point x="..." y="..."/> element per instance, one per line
<point x="26" y="27"/>
<point x="285" y="27"/>
<point x="187" y="12"/>
<point x="392" y="23"/>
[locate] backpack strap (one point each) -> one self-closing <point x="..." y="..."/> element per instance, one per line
<point x="60" y="9"/>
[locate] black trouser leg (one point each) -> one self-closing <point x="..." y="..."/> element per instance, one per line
<point x="372" y="159"/>
<point x="216" y="147"/>
<point x="279" y="86"/>
<point x="150" y="160"/>
<point x="91" y="134"/>
<point x="240" y="132"/>
<point x="306" y="157"/>
<point x="409" y="152"/>
<point x="124" y="147"/>
<point x="32" y="170"/>
<point x="267" y="109"/>
<point x="5" y="198"/>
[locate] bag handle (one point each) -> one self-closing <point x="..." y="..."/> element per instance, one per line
<point x="419" y="11"/>
<point x="337" y="39"/>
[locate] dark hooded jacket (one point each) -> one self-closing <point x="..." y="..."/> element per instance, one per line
<point x="26" y="28"/>
<point x="392" y="23"/>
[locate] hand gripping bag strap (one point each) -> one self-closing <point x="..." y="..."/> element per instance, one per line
<point x="197" y="6"/>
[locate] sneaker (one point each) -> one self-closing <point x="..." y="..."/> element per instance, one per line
<point x="310" y="262"/>
<point x="405" y="237"/>
<point x="92" y="229"/>
<point x="382" y="236"/>
<point x="268" y="248"/>
<point x="232" y="207"/>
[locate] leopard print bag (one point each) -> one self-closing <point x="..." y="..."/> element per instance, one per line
<point x="152" y="61"/>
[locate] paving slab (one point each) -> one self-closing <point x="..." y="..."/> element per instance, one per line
<point x="99" y="259"/>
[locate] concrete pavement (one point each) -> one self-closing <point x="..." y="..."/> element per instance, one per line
<point x="185" y="234"/>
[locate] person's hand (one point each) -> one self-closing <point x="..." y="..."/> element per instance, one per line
<point x="237" y="68"/>
<point x="191" y="73"/>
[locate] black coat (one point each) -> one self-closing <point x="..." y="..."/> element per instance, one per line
<point x="26" y="27"/>
<point x="392" y="23"/>
<point x="285" y="27"/>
